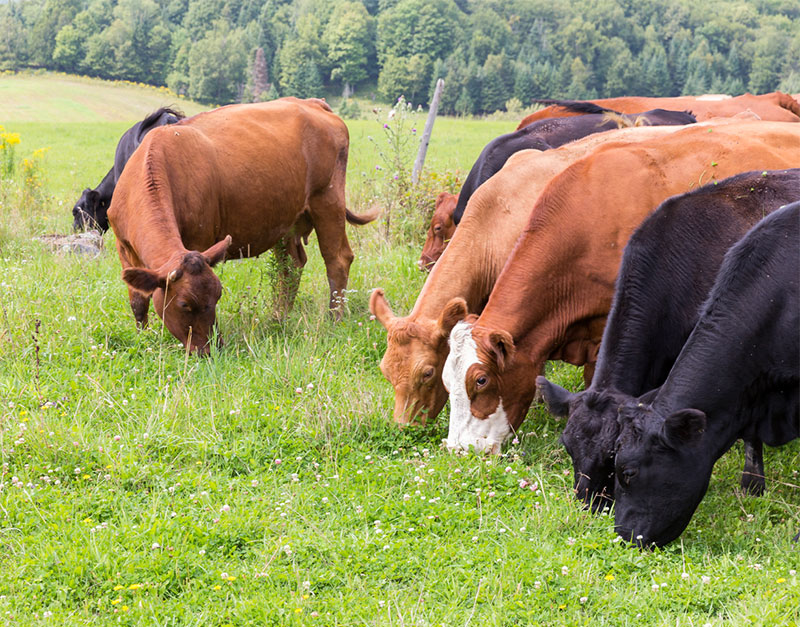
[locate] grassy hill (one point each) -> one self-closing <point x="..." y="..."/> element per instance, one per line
<point x="49" y="97"/>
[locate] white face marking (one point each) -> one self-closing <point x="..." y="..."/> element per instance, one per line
<point x="466" y="429"/>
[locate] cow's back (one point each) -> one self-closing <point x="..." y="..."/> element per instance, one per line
<point x="668" y="268"/>
<point x="774" y="106"/>
<point x="496" y="215"/>
<point x="242" y="170"/>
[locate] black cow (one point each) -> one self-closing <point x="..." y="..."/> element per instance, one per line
<point x="90" y="210"/>
<point x="737" y="376"/>
<point x="667" y="270"/>
<point x="552" y="133"/>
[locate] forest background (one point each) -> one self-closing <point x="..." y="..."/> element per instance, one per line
<point x="493" y="54"/>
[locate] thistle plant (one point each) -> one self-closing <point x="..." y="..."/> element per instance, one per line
<point x="396" y="156"/>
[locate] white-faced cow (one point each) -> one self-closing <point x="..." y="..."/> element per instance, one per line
<point x="91" y="209"/>
<point x="737" y="376"/>
<point x="667" y="270"/>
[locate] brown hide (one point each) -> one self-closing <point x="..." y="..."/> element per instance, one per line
<point x="241" y="179"/>
<point x="555" y="291"/>
<point x="440" y="231"/>
<point x="468" y="268"/>
<point x="775" y="106"/>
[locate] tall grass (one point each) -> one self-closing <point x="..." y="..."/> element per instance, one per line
<point x="265" y="485"/>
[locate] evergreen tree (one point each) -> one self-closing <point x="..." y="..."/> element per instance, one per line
<point x="623" y="76"/>
<point x="581" y="77"/>
<point x="497" y="81"/>
<point x="678" y="62"/>
<point x="465" y="105"/>
<point x="699" y="70"/>
<point x="524" y="84"/>
<point x="656" y="79"/>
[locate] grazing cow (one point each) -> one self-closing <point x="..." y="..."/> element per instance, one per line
<point x="417" y="344"/>
<point x="553" y="296"/>
<point x="238" y="180"/>
<point x="440" y="231"/>
<point x="91" y="209"/>
<point x="775" y="106"/>
<point x="737" y="376"/>
<point x="552" y="133"/>
<point x="667" y="269"/>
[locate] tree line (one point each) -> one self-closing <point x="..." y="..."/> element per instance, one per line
<point x="488" y="51"/>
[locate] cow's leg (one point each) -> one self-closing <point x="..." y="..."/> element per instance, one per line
<point x="328" y="216"/>
<point x="588" y="373"/>
<point x="338" y="256"/>
<point x="290" y="258"/>
<point x="753" y="480"/>
<point x="139" y="305"/>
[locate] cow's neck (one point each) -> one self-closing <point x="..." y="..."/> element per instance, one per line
<point x="153" y="230"/>
<point x="472" y="278"/>
<point x="713" y="374"/>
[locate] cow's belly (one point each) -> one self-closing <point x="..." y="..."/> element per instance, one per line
<point x="255" y="225"/>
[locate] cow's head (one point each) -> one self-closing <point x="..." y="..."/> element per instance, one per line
<point x="589" y="437"/>
<point x="415" y="354"/>
<point x="440" y="231"/>
<point x="490" y="389"/>
<point x="661" y="472"/>
<point x="185" y="292"/>
<point x="90" y="212"/>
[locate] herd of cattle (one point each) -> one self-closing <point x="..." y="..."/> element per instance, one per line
<point x="655" y="242"/>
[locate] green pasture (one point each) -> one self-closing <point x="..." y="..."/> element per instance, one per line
<point x="266" y="485"/>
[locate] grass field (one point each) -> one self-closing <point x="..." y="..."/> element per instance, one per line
<point x="266" y="485"/>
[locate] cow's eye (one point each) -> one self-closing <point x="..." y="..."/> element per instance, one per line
<point x="427" y="374"/>
<point x="437" y="228"/>
<point x="184" y="305"/>
<point x="625" y="475"/>
<point x="481" y="381"/>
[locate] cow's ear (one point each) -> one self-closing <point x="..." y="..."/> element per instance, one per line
<point x="92" y="198"/>
<point x="380" y="308"/>
<point x="453" y="313"/>
<point x="684" y="427"/>
<point x="216" y="253"/>
<point x="144" y="280"/>
<point x="502" y="345"/>
<point x="555" y="397"/>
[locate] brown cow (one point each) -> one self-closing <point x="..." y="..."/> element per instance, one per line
<point x="417" y="344"/>
<point x="440" y="231"/>
<point x="235" y="181"/>
<point x="774" y="106"/>
<point x="554" y="294"/>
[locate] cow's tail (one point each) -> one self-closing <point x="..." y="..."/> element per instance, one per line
<point x="363" y="218"/>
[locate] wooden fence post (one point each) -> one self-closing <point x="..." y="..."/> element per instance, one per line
<point x="426" y="135"/>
